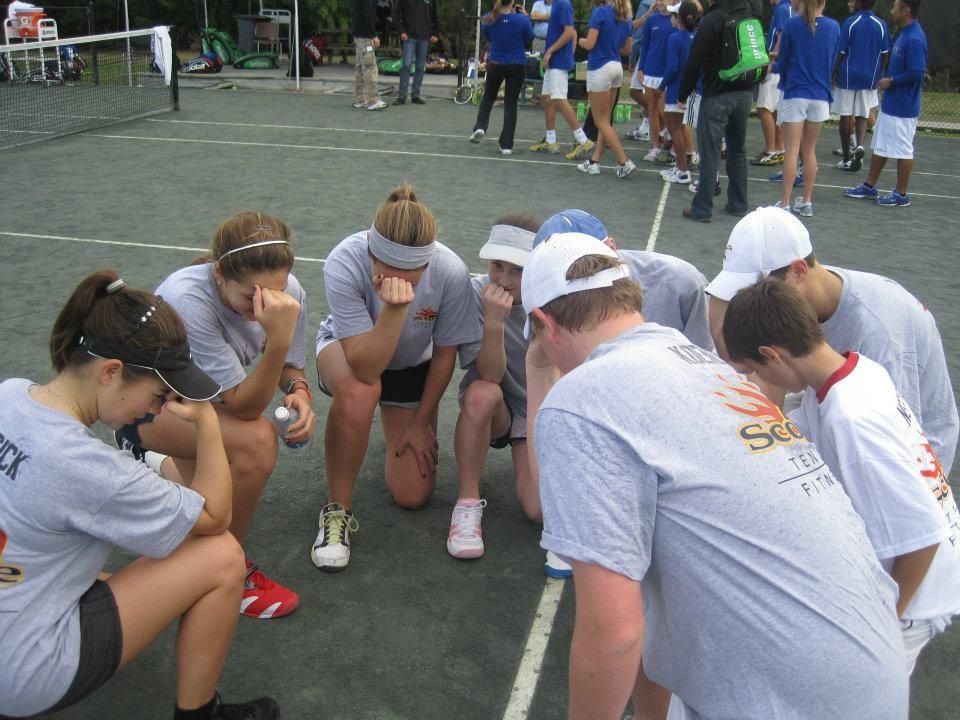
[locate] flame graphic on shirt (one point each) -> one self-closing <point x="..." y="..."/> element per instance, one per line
<point x="753" y="403"/>
<point x="426" y="314"/>
<point x="10" y="574"/>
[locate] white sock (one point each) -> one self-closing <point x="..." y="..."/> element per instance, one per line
<point x="551" y="136"/>
<point x="580" y="135"/>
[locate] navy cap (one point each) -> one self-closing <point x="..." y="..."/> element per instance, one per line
<point x="573" y="220"/>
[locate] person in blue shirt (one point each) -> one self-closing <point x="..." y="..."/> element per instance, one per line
<point x="864" y="47"/>
<point x="557" y="63"/>
<point x="899" y="109"/>
<point x="652" y="63"/>
<point x="645" y="8"/>
<point x="684" y="16"/>
<point x="509" y="32"/>
<point x="608" y="40"/>
<point x="805" y="62"/>
<point x="769" y="94"/>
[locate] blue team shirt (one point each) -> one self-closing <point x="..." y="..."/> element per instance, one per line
<point x="560" y="16"/>
<point x="864" y="40"/>
<point x="782" y="12"/>
<point x="509" y="36"/>
<point x="612" y="34"/>
<point x="642" y="8"/>
<point x="807" y="59"/>
<point x="653" y="53"/>
<point x="678" y="50"/>
<point x="908" y="63"/>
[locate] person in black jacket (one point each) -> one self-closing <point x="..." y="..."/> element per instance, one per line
<point x="363" y="27"/>
<point x="724" y="111"/>
<point x="417" y="24"/>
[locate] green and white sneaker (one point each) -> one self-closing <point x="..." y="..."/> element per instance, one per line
<point x="331" y="549"/>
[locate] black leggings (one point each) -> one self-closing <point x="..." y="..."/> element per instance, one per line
<point x="497" y="73"/>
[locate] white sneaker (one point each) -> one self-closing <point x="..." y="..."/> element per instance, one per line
<point x="378" y="105"/>
<point x="652" y="155"/>
<point x="506" y="151"/>
<point x="694" y="186"/>
<point x="678" y="176"/>
<point x="625" y="169"/>
<point x="638" y="133"/>
<point x="477" y="136"/>
<point x="359" y="105"/>
<point x="465" y="539"/>
<point x="666" y="174"/>
<point x="331" y="549"/>
<point x="555" y="567"/>
<point x="589" y="167"/>
<point x="693" y="159"/>
<point x="844" y="164"/>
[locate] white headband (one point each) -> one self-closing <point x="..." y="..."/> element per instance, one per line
<point x="404" y="257"/>
<point x="252" y="245"/>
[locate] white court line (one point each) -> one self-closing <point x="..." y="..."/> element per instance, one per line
<point x="655" y="230"/>
<point x="525" y="682"/>
<point x="125" y="243"/>
<point x="844" y="187"/>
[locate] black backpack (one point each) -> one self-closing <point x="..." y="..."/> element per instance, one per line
<point x="743" y="52"/>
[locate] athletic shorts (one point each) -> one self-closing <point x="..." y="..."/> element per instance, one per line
<point x="516" y="433"/>
<point x="101" y="644"/>
<point x="399" y="388"/>
<point x="917" y="633"/>
<point x="554" y="84"/>
<point x="605" y="77"/>
<point x="651" y="82"/>
<point x="769" y="95"/>
<point x="674" y="108"/>
<point x="853" y="103"/>
<point x="803" y="110"/>
<point x="692" y="115"/>
<point x="635" y="82"/>
<point x="893" y="137"/>
<point x="128" y="436"/>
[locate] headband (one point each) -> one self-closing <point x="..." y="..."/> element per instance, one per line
<point x="403" y="257"/>
<point x="511" y="235"/>
<point x="252" y="245"/>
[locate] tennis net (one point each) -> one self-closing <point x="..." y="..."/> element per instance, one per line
<point x="54" y="88"/>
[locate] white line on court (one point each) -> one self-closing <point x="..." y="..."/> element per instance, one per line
<point x="125" y="243"/>
<point x="525" y="682"/>
<point x="844" y="187"/>
<point x="655" y="230"/>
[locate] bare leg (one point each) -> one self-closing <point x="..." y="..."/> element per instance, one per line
<point x="845" y="123"/>
<point x="791" y="137"/>
<point x="651" y="99"/>
<point x="569" y="115"/>
<point x="483" y="415"/>
<point x="549" y="112"/>
<point x="675" y="126"/>
<point x="861" y="129"/>
<point x="408" y="487"/>
<point x="769" y="127"/>
<point x="528" y="484"/>
<point x="904" y="168"/>
<point x="877" y="163"/>
<point x="602" y="102"/>
<point x="650" y="701"/>
<point x="808" y="149"/>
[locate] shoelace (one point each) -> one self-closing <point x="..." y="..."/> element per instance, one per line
<point x="467" y="519"/>
<point x="257" y="579"/>
<point x="334" y="522"/>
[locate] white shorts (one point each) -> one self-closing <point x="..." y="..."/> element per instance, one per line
<point x="769" y="95"/>
<point x="673" y="108"/>
<point x="692" y="115"/>
<point x="635" y="83"/>
<point x="554" y="84"/>
<point x="801" y="109"/>
<point x="853" y="103"/>
<point x="609" y="75"/>
<point x="893" y="137"/>
<point x="651" y="82"/>
<point x="917" y="634"/>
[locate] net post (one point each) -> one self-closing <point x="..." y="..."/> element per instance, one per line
<point x="175" y="84"/>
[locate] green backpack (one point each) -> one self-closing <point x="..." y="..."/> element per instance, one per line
<point x="743" y="54"/>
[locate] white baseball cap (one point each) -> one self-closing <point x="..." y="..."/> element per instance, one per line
<point x="767" y="239"/>
<point x="509" y="243"/>
<point x="673" y="8"/>
<point x="545" y="275"/>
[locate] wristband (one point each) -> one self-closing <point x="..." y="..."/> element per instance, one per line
<point x="293" y="382"/>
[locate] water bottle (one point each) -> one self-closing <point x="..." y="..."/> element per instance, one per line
<point x="283" y="418"/>
<point x="472" y="69"/>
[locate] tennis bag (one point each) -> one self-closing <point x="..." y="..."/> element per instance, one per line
<point x="217" y="41"/>
<point x="743" y="52"/>
<point x="313" y="46"/>
<point x="203" y="64"/>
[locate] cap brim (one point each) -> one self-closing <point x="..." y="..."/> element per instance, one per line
<point x="727" y="283"/>
<point x="191" y="383"/>
<point x="673" y="8"/>
<point x="507" y="253"/>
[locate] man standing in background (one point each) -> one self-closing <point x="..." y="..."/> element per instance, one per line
<point x="363" y="28"/>
<point x="417" y="24"/>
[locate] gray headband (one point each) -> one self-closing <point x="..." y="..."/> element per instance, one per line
<point x="403" y="257"/>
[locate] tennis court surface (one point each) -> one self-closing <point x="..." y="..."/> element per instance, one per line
<point x="406" y="632"/>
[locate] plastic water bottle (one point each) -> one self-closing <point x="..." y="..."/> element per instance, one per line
<point x="283" y="418"/>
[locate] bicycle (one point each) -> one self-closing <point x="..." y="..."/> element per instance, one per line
<point x="471" y="91"/>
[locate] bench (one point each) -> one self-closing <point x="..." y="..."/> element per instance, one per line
<point x="336" y="41"/>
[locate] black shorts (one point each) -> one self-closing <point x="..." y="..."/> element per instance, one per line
<point x="101" y="644"/>
<point x="128" y="437"/>
<point x="402" y="388"/>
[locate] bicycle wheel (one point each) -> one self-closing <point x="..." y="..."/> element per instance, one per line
<point x="463" y="94"/>
<point x="478" y="92"/>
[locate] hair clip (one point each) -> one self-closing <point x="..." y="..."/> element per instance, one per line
<point x="117" y="284"/>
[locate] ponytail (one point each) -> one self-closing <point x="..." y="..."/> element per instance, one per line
<point x="622" y="10"/>
<point x="406" y="221"/>
<point x="812" y="8"/>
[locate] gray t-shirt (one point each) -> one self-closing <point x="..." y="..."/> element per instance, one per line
<point x="763" y="597"/>
<point x="223" y="342"/>
<point x="514" y="382"/>
<point x="442" y="310"/>
<point x="673" y="293"/>
<point x="880" y="320"/>
<point x="66" y="499"/>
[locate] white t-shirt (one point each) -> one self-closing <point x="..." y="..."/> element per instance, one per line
<point x="540" y="26"/>
<point x="442" y="310"/>
<point x="873" y="443"/>
<point x="880" y="320"/>
<point x="66" y="500"/>
<point x="223" y="343"/>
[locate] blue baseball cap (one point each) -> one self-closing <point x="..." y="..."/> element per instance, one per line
<point x="568" y="221"/>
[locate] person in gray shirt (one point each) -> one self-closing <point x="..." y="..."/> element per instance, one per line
<point x="704" y="530"/>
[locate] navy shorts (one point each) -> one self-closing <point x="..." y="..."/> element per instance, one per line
<point x="402" y="388"/>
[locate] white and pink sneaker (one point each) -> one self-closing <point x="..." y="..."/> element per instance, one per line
<point x="465" y="540"/>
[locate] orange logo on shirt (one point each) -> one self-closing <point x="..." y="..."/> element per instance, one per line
<point x="425" y="314"/>
<point x="9" y="574"/>
<point x="769" y="428"/>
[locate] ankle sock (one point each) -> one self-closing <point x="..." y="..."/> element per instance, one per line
<point x="551" y="136"/>
<point x="201" y="713"/>
<point x="580" y="135"/>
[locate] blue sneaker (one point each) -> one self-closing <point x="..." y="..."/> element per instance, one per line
<point x="862" y="191"/>
<point x="894" y="199"/>
<point x="555" y="567"/>
<point x="797" y="181"/>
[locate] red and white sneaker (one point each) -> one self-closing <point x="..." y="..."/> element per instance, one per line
<point x="263" y="598"/>
<point x="465" y="540"/>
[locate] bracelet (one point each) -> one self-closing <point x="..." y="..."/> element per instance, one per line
<point x="293" y="382"/>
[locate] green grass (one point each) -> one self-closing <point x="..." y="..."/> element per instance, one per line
<point x="940" y="107"/>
